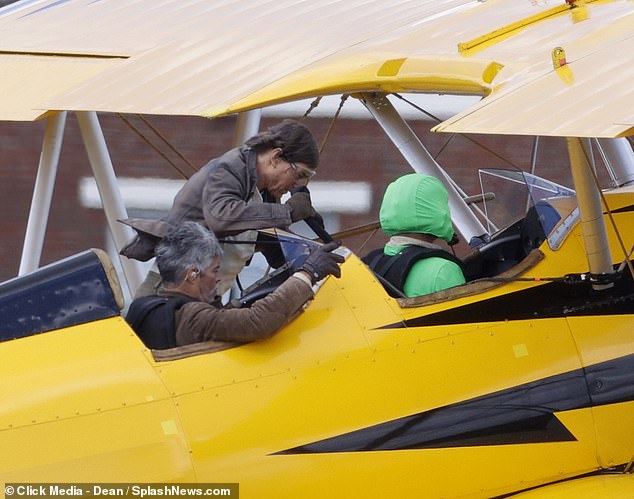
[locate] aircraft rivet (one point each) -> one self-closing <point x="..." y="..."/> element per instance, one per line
<point x="33" y="421"/>
<point x="413" y="351"/>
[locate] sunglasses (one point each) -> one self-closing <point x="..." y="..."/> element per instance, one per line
<point x="301" y="172"/>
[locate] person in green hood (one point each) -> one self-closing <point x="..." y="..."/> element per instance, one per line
<point x="415" y="213"/>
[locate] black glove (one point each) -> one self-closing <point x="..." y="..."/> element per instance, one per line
<point x="300" y="205"/>
<point x="321" y="262"/>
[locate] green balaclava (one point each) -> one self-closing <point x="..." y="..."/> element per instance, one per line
<point x="416" y="204"/>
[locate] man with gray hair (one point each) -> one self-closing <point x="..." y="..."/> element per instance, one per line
<point x="184" y="312"/>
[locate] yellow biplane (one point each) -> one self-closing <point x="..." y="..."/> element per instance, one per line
<point x="519" y="383"/>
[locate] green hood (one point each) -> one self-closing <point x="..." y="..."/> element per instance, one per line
<point x="417" y="204"/>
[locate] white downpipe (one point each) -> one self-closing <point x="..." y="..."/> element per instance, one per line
<point x="247" y="125"/>
<point x="593" y="227"/>
<point x="421" y="161"/>
<point x="621" y="157"/>
<point x="42" y="193"/>
<point x="109" y="192"/>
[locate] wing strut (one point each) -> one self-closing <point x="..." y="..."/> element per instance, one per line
<point x="593" y="227"/>
<point x="109" y="192"/>
<point x="42" y="193"/>
<point x="421" y="161"/>
<point x="620" y="158"/>
<point x="247" y="125"/>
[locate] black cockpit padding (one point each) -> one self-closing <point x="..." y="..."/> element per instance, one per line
<point x="72" y="291"/>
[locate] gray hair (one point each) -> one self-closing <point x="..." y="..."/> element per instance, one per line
<point x="186" y="246"/>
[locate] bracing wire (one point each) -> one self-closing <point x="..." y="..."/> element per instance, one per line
<point x="149" y="143"/>
<point x="312" y="106"/>
<point x="444" y="146"/>
<point x="168" y="143"/>
<point x="344" y="98"/>
<point x="470" y="139"/>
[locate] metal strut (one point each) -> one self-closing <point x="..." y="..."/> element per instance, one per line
<point x="109" y="192"/>
<point x="593" y="226"/>
<point x="42" y="193"/>
<point x="421" y="160"/>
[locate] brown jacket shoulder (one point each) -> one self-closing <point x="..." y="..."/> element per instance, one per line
<point x="199" y="321"/>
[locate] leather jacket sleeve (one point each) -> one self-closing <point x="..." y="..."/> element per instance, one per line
<point x="199" y="321"/>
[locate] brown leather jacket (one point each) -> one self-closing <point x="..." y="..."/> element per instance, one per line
<point x="200" y="321"/>
<point x="218" y="197"/>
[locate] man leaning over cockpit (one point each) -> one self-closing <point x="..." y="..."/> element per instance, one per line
<point x="237" y="194"/>
<point x="182" y="312"/>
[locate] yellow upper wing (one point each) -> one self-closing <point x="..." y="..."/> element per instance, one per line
<point x="211" y="59"/>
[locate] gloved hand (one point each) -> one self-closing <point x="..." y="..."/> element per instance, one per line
<point x="300" y="205"/>
<point x="321" y="262"/>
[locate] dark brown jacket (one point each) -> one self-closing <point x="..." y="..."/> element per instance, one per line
<point x="216" y="196"/>
<point x="200" y="321"/>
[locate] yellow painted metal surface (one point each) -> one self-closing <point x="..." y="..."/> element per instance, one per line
<point x="547" y="104"/>
<point x="611" y="486"/>
<point x="83" y="404"/>
<point x="90" y="403"/>
<point x="29" y="79"/>
<point x="202" y="59"/>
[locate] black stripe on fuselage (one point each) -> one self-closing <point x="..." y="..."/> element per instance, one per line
<point x="624" y="209"/>
<point x="551" y="300"/>
<point x="519" y="415"/>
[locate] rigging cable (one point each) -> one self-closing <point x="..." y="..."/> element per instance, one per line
<point x="148" y="142"/>
<point x="312" y="106"/>
<point x="455" y="185"/>
<point x="344" y="98"/>
<point x="167" y="142"/>
<point x="488" y="149"/>
<point x="444" y="146"/>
